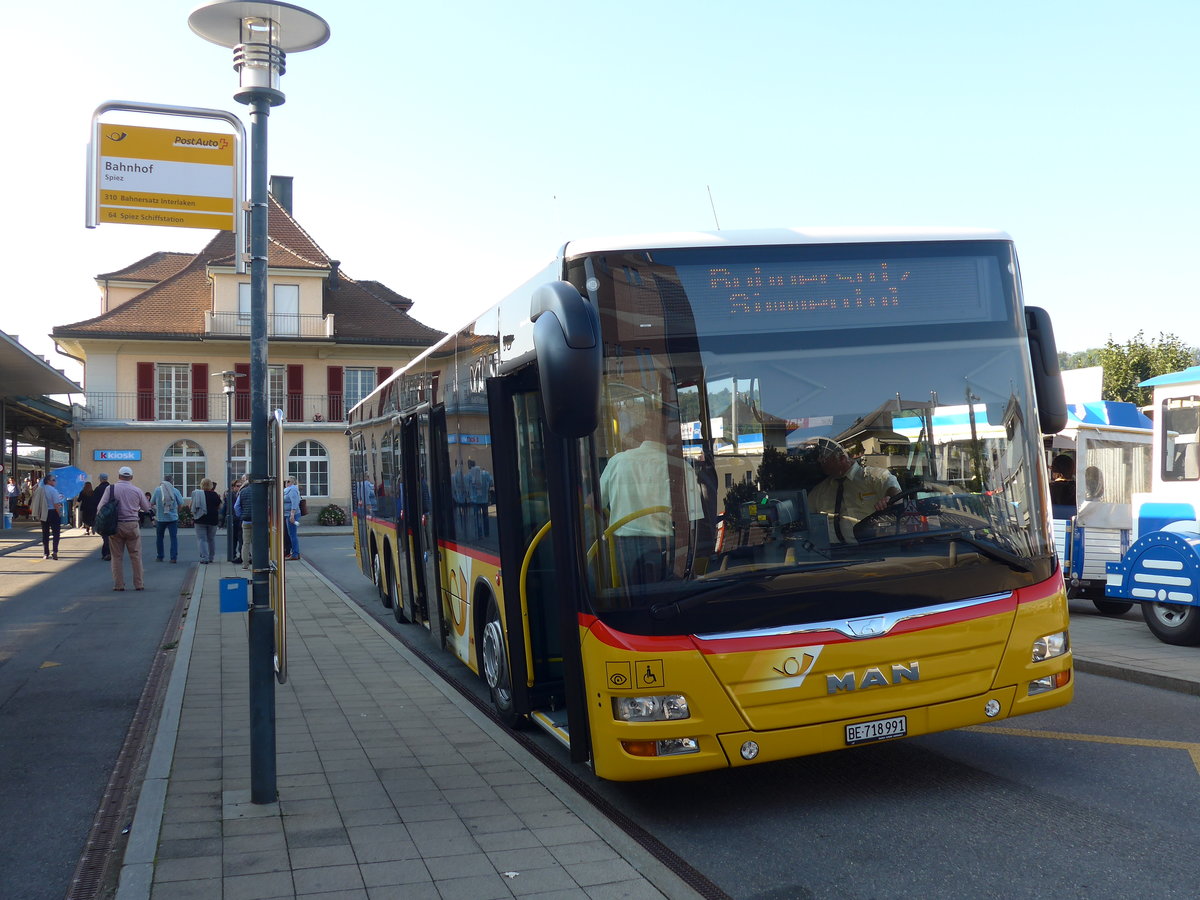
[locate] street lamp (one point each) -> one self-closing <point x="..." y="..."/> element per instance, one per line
<point x="229" y="379"/>
<point x="260" y="34"/>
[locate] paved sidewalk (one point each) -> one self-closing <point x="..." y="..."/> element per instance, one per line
<point x="1126" y="648"/>
<point x="390" y="784"/>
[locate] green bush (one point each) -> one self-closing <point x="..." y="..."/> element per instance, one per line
<point x="332" y="515"/>
<point x="186" y="518"/>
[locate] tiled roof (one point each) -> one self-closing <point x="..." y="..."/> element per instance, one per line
<point x="174" y="307"/>
<point x="154" y="268"/>
<point x="387" y="295"/>
<point x="360" y="315"/>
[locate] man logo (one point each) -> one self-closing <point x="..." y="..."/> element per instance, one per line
<point x="873" y="677"/>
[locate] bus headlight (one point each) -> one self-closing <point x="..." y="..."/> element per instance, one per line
<point x="651" y="709"/>
<point x="1050" y="646"/>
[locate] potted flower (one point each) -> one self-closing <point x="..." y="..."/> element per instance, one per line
<point x="332" y="515"/>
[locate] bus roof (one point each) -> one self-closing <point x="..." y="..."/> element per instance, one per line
<point x="775" y="236"/>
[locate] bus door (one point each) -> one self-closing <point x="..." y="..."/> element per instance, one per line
<point x="419" y="463"/>
<point x="358" y="468"/>
<point x="402" y="604"/>
<point x="533" y="595"/>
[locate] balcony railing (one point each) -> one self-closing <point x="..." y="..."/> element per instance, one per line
<point x="146" y="406"/>
<point x="232" y="324"/>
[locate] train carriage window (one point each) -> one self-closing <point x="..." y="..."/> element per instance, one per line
<point x="1180" y="423"/>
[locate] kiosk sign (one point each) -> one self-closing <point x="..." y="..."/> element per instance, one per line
<point x="164" y="176"/>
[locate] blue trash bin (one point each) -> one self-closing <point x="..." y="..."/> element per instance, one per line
<point x="235" y="595"/>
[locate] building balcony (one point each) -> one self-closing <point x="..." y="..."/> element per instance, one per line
<point x="232" y="324"/>
<point x="146" y="407"/>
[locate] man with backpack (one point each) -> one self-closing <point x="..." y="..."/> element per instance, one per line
<point x="167" y="501"/>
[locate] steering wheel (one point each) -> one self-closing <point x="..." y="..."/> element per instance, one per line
<point x="895" y="509"/>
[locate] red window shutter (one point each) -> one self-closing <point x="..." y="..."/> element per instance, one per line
<point x="333" y="387"/>
<point x="381" y="374"/>
<point x="241" y="395"/>
<point x="295" y="393"/>
<point x="199" y="392"/>
<point x="145" y="391"/>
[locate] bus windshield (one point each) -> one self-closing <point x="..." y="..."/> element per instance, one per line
<point x="803" y="434"/>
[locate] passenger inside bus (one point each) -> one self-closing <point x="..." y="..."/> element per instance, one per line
<point x="851" y="490"/>
<point x="636" y="492"/>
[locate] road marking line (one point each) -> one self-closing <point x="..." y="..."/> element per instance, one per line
<point x="1193" y="749"/>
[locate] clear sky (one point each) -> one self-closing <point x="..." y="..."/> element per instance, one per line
<point x="448" y="149"/>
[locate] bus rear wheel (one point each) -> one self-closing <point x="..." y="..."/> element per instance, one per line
<point x="397" y="600"/>
<point x="381" y="585"/>
<point x="494" y="665"/>
<point x="1173" y="623"/>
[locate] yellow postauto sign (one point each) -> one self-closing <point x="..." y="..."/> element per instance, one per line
<point x="161" y="176"/>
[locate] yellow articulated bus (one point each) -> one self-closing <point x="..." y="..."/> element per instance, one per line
<point x="682" y="499"/>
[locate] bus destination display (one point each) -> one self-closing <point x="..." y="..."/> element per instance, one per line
<point x="801" y="295"/>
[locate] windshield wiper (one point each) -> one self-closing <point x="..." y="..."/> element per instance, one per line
<point x="738" y="584"/>
<point x="987" y="548"/>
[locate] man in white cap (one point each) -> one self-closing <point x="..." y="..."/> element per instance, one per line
<point x="850" y="492"/>
<point x="130" y="499"/>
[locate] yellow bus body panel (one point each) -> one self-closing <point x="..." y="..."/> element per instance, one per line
<point x="783" y="700"/>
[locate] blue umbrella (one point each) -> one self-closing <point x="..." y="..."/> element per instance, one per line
<point x="70" y="481"/>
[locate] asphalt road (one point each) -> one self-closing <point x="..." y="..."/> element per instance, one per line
<point x="74" y="659"/>
<point x="1098" y="799"/>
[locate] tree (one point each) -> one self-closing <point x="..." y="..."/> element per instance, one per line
<point x="1080" y="359"/>
<point x="1127" y="365"/>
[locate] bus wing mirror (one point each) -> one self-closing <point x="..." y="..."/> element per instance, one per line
<point x="566" y="338"/>
<point x="1047" y="378"/>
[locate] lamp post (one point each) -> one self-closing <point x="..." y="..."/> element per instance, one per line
<point x="229" y="380"/>
<point x="260" y="34"/>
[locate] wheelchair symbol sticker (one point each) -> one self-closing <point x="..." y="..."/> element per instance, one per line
<point x="650" y="673"/>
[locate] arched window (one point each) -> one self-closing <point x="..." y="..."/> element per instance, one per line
<point x="309" y="464"/>
<point x="239" y="459"/>
<point x="184" y="462"/>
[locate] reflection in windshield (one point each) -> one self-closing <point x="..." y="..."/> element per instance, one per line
<point x="807" y="470"/>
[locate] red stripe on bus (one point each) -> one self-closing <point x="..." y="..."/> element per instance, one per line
<point x="658" y="643"/>
<point x="471" y="552"/>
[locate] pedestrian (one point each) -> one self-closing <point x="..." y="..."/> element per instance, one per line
<point x="291" y="516"/>
<point x="48" y="505"/>
<point x="479" y="483"/>
<point x="242" y="507"/>
<point x="87" y="507"/>
<point x="12" y="493"/>
<point x="232" y="521"/>
<point x="131" y="500"/>
<point x="102" y="497"/>
<point x="166" y="500"/>
<point x="206" y="509"/>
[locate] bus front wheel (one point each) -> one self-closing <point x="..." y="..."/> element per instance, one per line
<point x="1173" y="623"/>
<point x="494" y="664"/>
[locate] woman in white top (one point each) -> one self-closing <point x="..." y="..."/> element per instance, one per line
<point x="48" y="506"/>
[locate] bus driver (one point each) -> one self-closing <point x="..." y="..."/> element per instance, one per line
<point x="851" y="490"/>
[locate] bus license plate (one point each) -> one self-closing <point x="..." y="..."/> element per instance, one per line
<point x="879" y="730"/>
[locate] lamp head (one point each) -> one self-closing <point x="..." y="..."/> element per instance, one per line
<point x="261" y="35"/>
